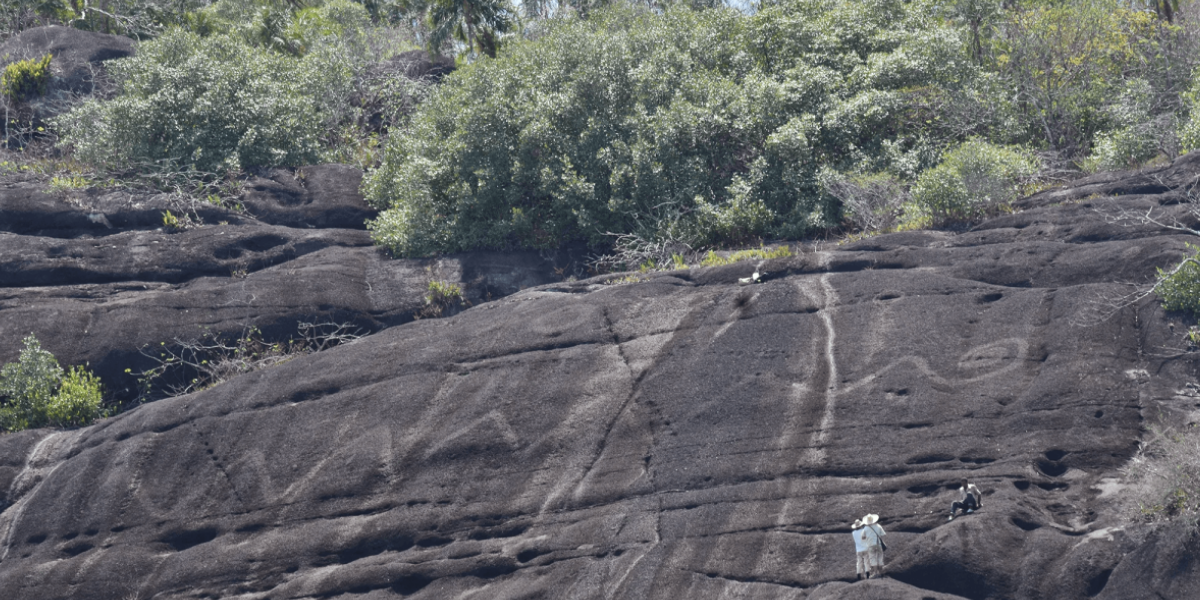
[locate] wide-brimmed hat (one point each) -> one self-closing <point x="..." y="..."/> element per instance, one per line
<point x="870" y="519"/>
<point x="857" y="524"/>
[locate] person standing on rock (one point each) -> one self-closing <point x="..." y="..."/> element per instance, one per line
<point x="860" y="548"/>
<point x="872" y="535"/>
<point x="972" y="499"/>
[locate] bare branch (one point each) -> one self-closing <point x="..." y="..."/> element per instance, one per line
<point x="186" y="366"/>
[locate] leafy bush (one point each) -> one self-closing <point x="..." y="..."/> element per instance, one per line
<point x="1179" y="288"/>
<point x="213" y="104"/>
<point x="1189" y="130"/>
<point x="712" y="259"/>
<point x="972" y="179"/>
<point x="702" y="127"/>
<point x="78" y="399"/>
<point x="442" y="296"/>
<point x="1068" y="60"/>
<point x="1139" y="134"/>
<point x="37" y="392"/>
<point x="1124" y="148"/>
<point x="26" y="79"/>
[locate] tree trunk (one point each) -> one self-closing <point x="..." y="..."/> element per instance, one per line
<point x="470" y="26"/>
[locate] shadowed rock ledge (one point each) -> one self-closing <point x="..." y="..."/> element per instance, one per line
<point x="679" y="437"/>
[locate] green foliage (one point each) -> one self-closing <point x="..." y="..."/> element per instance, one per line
<point x="712" y="259"/>
<point x="973" y="179"/>
<point x="1139" y="131"/>
<point x="293" y="28"/>
<point x="478" y="23"/>
<point x="78" y="400"/>
<point x="442" y="296"/>
<point x="441" y="292"/>
<point x="25" y="79"/>
<point x="212" y="104"/>
<point x="1189" y="130"/>
<point x="1066" y="61"/>
<point x="707" y="127"/>
<point x="37" y="392"/>
<point x="1124" y="148"/>
<point x="701" y="126"/>
<point x="1179" y="288"/>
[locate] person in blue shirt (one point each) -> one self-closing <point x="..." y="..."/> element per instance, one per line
<point x="872" y="534"/>
<point x="860" y="549"/>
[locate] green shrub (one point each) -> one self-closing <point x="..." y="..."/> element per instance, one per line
<point x="1069" y="60"/>
<point x="78" y="399"/>
<point x="705" y="127"/>
<point x="1124" y="148"/>
<point x="442" y="296"/>
<point x="712" y="259"/>
<point x="1179" y="288"/>
<point x="1189" y="130"/>
<point x="1138" y="133"/>
<point x="210" y="103"/>
<point x="26" y="79"/>
<point x="973" y="179"/>
<point x="37" y="392"/>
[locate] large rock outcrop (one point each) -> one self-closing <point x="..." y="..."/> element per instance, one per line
<point x="679" y="437"/>
<point x="96" y="276"/>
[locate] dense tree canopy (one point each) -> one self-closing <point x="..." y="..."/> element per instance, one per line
<point x="665" y="122"/>
<point x="705" y="126"/>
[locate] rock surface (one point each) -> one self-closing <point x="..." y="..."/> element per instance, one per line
<point x="97" y="277"/>
<point x="679" y="437"/>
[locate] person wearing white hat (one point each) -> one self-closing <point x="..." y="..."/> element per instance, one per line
<point x="860" y="548"/>
<point x="872" y="534"/>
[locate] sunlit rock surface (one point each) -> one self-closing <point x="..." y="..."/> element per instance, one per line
<point x="680" y="437"/>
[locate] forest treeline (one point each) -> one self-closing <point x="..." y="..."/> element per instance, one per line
<point x="642" y="128"/>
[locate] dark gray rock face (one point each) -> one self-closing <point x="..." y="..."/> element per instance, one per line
<point x="680" y="437"/>
<point x="96" y="277"/>
<point x="314" y="196"/>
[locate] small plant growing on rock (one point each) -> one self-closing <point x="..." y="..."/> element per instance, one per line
<point x="1179" y="288"/>
<point x="442" y="296"/>
<point x="37" y="392"/>
<point x="712" y="259"/>
<point x="26" y="79"/>
<point x="176" y="223"/>
<point x="67" y="183"/>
